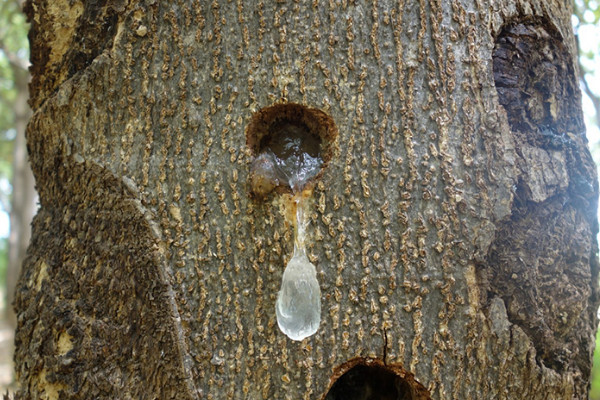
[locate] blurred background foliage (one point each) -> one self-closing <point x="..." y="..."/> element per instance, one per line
<point x="14" y="56"/>
<point x="14" y="76"/>
<point x="586" y="22"/>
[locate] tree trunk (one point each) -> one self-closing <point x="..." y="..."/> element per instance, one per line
<point x="24" y="196"/>
<point x="452" y="225"/>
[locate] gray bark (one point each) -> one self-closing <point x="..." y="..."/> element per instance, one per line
<point x="454" y="245"/>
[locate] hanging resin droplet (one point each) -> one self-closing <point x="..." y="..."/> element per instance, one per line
<point x="298" y="306"/>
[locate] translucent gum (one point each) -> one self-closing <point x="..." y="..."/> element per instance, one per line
<point x="298" y="306"/>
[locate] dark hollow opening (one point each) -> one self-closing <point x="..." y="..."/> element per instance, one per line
<point x="288" y="138"/>
<point x="295" y="153"/>
<point x="292" y="144"/>
<point x="364" y="382"/>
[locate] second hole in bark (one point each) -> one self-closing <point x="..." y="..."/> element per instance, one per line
<point x="364" y="382"/>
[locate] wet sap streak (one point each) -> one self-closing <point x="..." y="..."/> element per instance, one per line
<point x="290" y="156"/>
<point x="296" y="156"/>
<point x="298" y="306"/>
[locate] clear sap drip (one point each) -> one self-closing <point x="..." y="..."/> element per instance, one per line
<point x="298" y="306"/>
<point x="299" y="302"/>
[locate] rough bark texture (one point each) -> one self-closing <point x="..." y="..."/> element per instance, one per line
<point x="453" y="228"/>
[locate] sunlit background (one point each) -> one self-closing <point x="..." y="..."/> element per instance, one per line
<point x="585" y="22"/>
<point x="17" y="200"/>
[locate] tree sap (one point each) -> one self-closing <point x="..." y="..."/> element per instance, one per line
<point x="298" y="304"/>
<point x="291" y="156"/>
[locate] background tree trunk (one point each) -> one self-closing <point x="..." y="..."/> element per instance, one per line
<point x="453" y="228"/>
<point x="24" y="196"/>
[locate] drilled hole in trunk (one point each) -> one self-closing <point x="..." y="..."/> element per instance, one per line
<point x="365" y="383"/>
<point x="371" y="379"/>
<point x="292" y="145"/>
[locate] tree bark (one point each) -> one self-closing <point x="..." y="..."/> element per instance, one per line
<point x="452" y="227"/>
